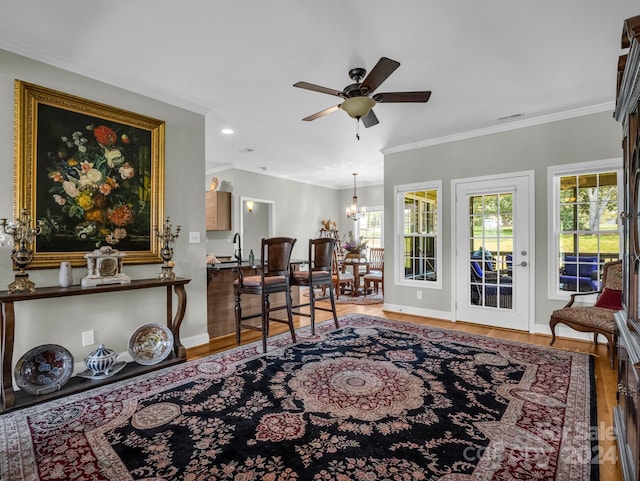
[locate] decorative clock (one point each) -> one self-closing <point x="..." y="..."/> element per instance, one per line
<point x="104" y="266"/>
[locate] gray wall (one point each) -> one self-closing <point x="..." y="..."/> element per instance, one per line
<point x="113" y="316"/>
<point x="590" y="137"/>
<point x="299" y="208"/>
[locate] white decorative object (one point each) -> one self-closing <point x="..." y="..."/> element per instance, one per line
<point x="104" y="266"/>
<point x="65" y="276"/>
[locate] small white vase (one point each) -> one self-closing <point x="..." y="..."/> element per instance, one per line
<point x="65" y="276"/>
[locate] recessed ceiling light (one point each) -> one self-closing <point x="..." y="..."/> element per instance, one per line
<point x="227" y="131"/>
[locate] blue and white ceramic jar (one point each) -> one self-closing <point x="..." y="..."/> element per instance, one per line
<point x="101" y="360"/>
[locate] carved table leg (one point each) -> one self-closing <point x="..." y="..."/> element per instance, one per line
<point x="174" y="325"/>
<point x="7" y="333"/>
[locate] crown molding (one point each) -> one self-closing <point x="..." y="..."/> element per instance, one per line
<point x="520" y="124"/>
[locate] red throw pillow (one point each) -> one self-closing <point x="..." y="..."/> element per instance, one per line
<point x="610" y="298"/>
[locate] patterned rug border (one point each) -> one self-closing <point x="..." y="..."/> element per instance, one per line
<point x="279" y="342"/>
<point x="175" y="376"/>
<point x="367" y="300"/>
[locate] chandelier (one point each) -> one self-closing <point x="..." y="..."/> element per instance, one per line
<point x="353" y="212"/>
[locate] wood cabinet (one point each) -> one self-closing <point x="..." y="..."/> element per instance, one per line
<point x="218" y="210"/>
<point x="12" y="399"/>
<point x="627" y="411"/>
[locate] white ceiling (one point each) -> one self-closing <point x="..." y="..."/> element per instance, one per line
<point x="236" y="62"/>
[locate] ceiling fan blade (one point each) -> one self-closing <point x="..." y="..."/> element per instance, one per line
<point x="379" y="74"/>
<point x="403" y="96"/>
<point x="318" y="88"/>
<point x="370" y="119"/>
<point x="322" y="113"/>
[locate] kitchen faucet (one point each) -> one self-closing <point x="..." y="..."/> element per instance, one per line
<point x="238" y="252"/>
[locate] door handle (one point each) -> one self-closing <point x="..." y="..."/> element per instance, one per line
<point x="522" y="264"/>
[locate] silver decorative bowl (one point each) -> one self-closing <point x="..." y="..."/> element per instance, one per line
<point x="101" y="360"/>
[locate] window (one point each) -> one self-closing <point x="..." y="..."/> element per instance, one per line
<point x="418" y="234"/>
<point x="370" y="227"/>
<point x="586" y="232"/>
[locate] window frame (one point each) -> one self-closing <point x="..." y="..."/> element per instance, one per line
<point x="399" y="194"/>
<point x="369" y="210"/>
<point x="554" y="173"/>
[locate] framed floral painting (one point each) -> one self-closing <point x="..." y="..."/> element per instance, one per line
<point x="94" y="174"/>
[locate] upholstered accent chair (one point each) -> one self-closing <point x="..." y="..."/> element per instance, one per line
<point x="275" y="265"/>
<point x="317" y="276"/>
<point x="599" y="317"/>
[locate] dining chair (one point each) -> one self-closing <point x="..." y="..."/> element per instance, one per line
<point x="317" y="276"/>
<point x="340" y="277"/>
<point x="273" y="277"/>
<point x="376" y="259"/>
<point x="375" y="270"/>
<point x="597" y="318"/>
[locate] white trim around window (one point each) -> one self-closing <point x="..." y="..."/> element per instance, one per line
<point x="399" y="216"/>
<point x="554" y="173"/>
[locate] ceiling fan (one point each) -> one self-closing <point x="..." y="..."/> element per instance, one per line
<point x="359" y="97"/>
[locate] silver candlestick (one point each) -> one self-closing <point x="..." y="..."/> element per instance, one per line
<point x="167" y="237"/>
<point x="24" y="234"/>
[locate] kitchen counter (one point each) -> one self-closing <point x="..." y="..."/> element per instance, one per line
<point x="221" y="298"/>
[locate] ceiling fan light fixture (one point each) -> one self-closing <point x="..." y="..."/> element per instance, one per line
<point x="357" y="107"/>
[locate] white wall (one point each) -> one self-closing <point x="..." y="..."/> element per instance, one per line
<point x="112" y="316"/>
<point x="590" y="137"/>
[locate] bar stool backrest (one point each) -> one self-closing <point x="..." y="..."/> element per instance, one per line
<point x="321" y="254"/>
<point x="276" y="256"/>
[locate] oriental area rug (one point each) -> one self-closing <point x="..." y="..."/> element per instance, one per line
<point x="372" y="298"/>
<point x="375" y="399"/>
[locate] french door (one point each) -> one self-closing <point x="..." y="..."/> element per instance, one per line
<point x="493" y="229"/>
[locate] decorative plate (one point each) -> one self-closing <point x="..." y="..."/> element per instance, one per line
<point x="150" y="344"/>
<point x="214" y="184"/>
<point x="43" y="369"/>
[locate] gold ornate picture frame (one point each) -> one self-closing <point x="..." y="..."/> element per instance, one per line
<point x="93" y="173"/>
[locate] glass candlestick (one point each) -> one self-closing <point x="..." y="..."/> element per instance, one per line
<point x="167" y="237"/>
<point x="24" y="234"/>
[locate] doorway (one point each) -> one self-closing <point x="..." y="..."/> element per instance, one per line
<point x="494" y="224"/>
<point x="255" y="224"/>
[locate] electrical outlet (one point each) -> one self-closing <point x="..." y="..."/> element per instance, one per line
<point x="419" y="295"/>
<point x="87" y="338"/>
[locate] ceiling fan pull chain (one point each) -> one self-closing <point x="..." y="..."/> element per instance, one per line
<point x="358" y="128"/>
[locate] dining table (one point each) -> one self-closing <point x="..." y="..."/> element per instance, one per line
<point x="358" y="269"/>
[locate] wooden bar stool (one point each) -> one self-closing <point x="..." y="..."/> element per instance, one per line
<point x="317" y="276"/>
<point x="272" y="278"/>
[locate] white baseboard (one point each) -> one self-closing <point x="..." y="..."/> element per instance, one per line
<point x="561" y="330"/>
<point x="417" y="311"/>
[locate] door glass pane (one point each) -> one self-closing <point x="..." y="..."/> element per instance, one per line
<point x="491" y="250"/>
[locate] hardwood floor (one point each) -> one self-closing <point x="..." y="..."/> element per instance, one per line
<point x="606" y="378"/>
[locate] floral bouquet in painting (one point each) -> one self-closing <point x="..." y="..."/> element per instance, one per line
<point x="97" y="187"/>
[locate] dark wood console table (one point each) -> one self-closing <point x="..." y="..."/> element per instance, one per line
<point x="10" y="399"/>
